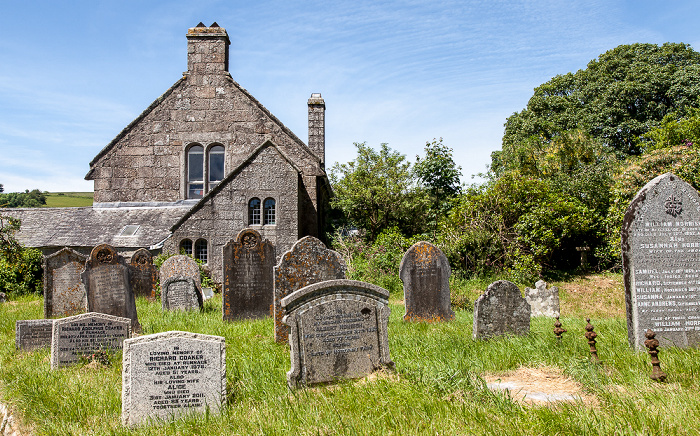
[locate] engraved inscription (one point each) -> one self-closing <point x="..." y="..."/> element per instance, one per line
<point x="175" y="377"/>
<point x="89" y="335"/>
<point x="68" y="290"/>
<point x="110" y="289"/>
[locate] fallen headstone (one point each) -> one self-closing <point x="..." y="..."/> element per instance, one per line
<point x="501" y="310"/>
<point x="338" y="331"/>
<point x="108" y="286"/>
<point x="307" y="262"/>
<point x="85" y="334"/>
<point x="661" y="263"/>
<point x="543" y="301"/>
<point x="32" y="334"/>
<point x="144" y="275"/>
<point x="425" y="273"/>
<point x="166" y="374"/>
<point x="64" y="292"/>
<point x="248" y="284"/>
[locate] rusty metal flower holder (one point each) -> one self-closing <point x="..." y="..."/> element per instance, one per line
<point x="558" y="331"/>
<point x="652" y="344"/>
<point x="591" y="335"/>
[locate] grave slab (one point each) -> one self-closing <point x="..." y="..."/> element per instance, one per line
<point x="32" y="334"/>
<point x="338" y="330"/>
<point x="501" y="310"/>
<point x="64" y="292"/>
<point x="167" y="374"/>
<point x="425" y="273"/>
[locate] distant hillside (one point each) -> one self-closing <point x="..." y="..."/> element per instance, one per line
<point x="68" y="199"/>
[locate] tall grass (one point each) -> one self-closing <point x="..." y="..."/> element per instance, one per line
<point x="437" y="387"/>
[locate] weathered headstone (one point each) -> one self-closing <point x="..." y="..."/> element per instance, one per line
<point x="661" y="263"/>
<point x="248" y="285"/>
<point x="169" y="373"/>
<point x="108" y="287"/>
<point x="543" y="301"/>
<point x="84" y="334"/>
<point x="501" y="310"/>
<point x="144" y="274"/>
<point x="32" y="334"/>
<point x="425" y="273"/>
<point x="179" y="267"/>
<point x="64" y="292"/>
<point x="307" y="262"/>
<point x="180" y="293"/>
<point x="338" y="330"/>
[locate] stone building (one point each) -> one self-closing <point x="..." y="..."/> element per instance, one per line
<point x="202" y="162"/>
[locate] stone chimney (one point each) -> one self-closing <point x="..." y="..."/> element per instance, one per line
<point x="317" y="126"/>
<point x="207" y="49"/>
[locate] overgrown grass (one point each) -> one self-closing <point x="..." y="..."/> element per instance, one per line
<point x="437" y="387"/>
<point x="69" y="199"/>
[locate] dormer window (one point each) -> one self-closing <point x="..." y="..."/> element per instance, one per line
<point x="204" y="172"/>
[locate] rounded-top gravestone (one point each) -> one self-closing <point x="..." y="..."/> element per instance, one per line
<point x="501" y="310"/>
<point x="144" y="274"/>
<point x="425" y="273"/>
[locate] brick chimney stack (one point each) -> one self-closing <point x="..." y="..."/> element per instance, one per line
<point x="207" y="49"/>
<point x="317" y="126"/>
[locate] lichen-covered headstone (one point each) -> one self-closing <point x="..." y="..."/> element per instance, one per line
<point x="338" y="330"/>
<point x="170" y="373"/>
<point x="108" y="285"/>
<point x="543" y="301"/>
<point x="307" y="262"/>
<point x="248" y="284"/>
<point x="501" y="310"/>
<point x="64" y="292"/>
<point x="179" y="267"/>
<point x="180" y="293"/>
<point x="425" y="273"/>
<point x="144" y="275"/>
<point x="85" y="334"/>
<point x="32" y="334"/>
<point x="661" y="263"/>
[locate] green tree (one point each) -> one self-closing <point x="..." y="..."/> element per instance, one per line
<point x="377" y="191"/>
<point x="20" y="267"/>
<point x="33" y="198"/>
<point x="439" y="174"/>
<point x="619" y="97"/>
<point x="675" y="130"/>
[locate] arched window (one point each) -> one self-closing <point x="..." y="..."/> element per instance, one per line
<point x="269" y="211"/>
<point x="216" y="166"/>
<point x="200" y="250"/>
<point x="186" y="246"/>
<point x="254" y="211"/>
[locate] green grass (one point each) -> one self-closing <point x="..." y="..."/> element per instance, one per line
<point x="437" y="387"/>
<point x="69" y="199"/>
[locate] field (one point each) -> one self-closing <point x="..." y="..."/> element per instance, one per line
<point x="68" y="199"/>
<point x="439" y="386"/>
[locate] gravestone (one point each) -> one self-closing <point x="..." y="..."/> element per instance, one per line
<point x="180" y="293"/>
<point x="248" y="284"/>
<point x="338" y="330"/>
<point x="32" y="334"/>
<point x="166" y="374"/>
<point x="64" y="292"/>
<point x="144" y="274"/>
<point x="501" y="310"/>
<point x="108" y="287"/>
<point x="179" y="267"/>
<point x="307" y="262"/>
<point x="425" y="273"/>
<point x="543" y="301"/>
<point x="661" y="263"/>
<point x="84" y="334"/>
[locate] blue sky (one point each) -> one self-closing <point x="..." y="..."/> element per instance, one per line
<point x="73" y="74"/>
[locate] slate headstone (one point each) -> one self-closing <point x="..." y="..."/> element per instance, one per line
<point x="144" y="275"/>
<point x="32" y="334"/>
<point x="248" y="284"/>
<point x="425" y="273"/>
<point x="307" y="262"/>
<point x="338" y="330"/>
<point x="166" y="374"/>
<point x="64" y="292"/>
<point x="108" y="285"/>
<point x="661" y="263"/>
<point x="180" y="267"/>
<point x="543" y="301"/>
<point x="501" y="310"/>
<point x="180" y="293"/>
<point x="84" y="334"/>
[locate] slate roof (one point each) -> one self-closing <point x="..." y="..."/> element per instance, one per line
<point x="88" y="226"/>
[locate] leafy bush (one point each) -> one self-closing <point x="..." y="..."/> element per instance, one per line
<point x="22" y="275"/>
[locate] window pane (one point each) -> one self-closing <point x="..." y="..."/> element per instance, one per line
<point x="186" y="246"/>
<point x="254" y="211"/>
<point x="269" y="211"/>
<point x="196" y="190"/>
<point x="195" y="164"/>
<point x="200" y="250"/>
<point x="216" y="164"/>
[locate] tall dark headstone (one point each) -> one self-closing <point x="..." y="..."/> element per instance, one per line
<point x="308" y="262"/>
<point x="64" y="292"/>
<point x="338" y="330"/>
<point x="501" y="310"/>
<point x="248" y="283"/>
<point x="425" y="273"/>
<point x="144" y="275"/>
<point x="661" y="263"/>
<point x="108" y="286"/>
